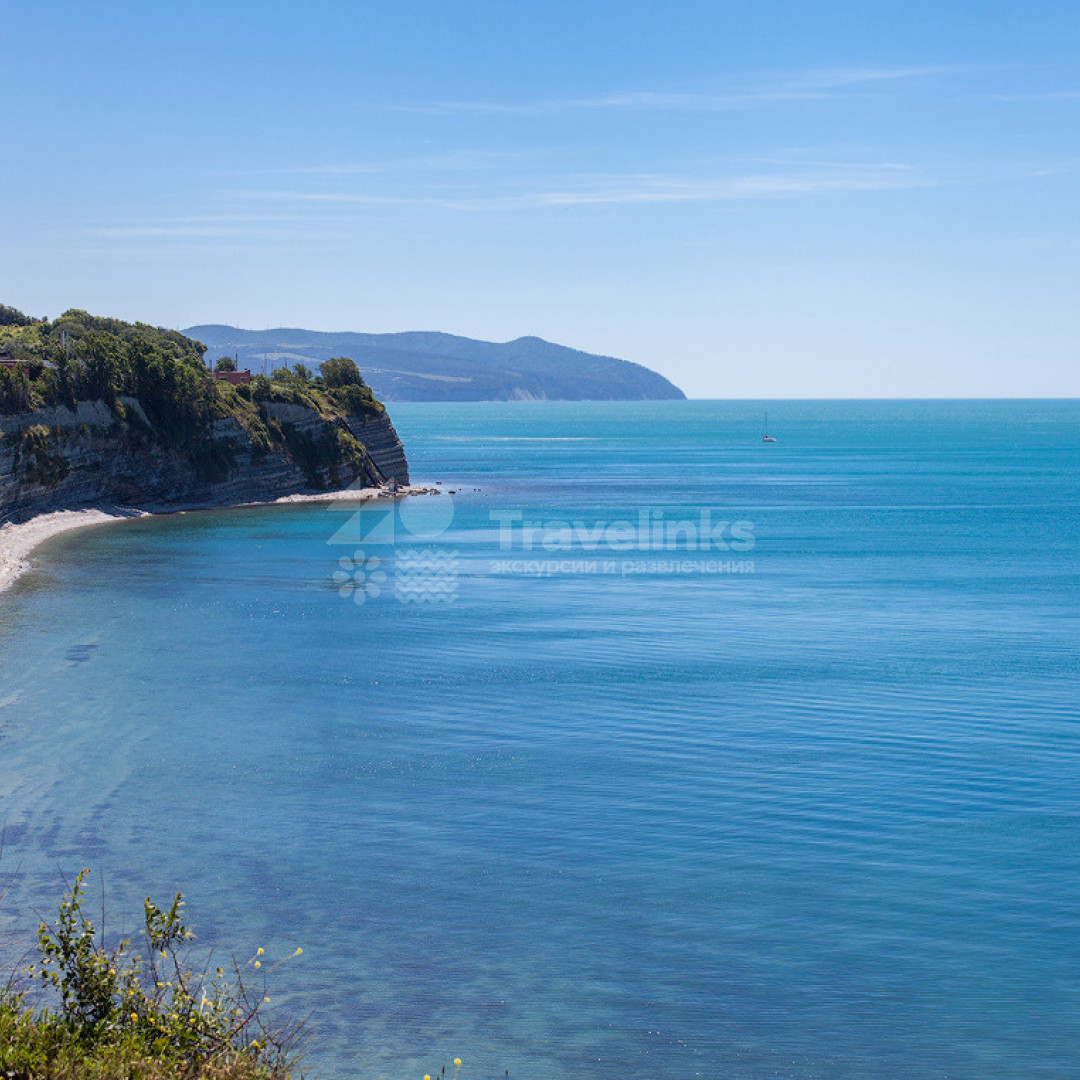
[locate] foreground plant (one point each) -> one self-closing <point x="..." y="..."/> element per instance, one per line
<point x="124" y="1015"/>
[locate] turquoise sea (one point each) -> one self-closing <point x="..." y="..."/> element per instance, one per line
<point x="813" y="812"/>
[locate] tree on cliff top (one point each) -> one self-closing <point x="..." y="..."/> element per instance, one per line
<point x="10" y="316"/>
<point x="341" y="371"/>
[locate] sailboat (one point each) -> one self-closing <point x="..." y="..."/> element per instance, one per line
<point x="767" y="437"/>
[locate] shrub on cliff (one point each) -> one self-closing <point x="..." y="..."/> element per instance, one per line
<point x="116" y="1014"/>
<point x="341" y="371"/>
<point x="355" y="399"/>
<point x="15" y="390"/>
<point x="35" y="460"/>
<point x="346" y="388"/>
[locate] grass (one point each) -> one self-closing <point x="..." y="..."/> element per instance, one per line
<point x="45" y="1049"/>
<point x="113" y="1012"/>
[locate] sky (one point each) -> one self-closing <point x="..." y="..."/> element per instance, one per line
<point x="756" y="198"/>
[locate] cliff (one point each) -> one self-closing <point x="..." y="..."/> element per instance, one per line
<point x="60" y="459"/>
<point x="203" y="443"/>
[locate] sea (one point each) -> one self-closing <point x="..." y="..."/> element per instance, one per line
<point x="647" y="749"/>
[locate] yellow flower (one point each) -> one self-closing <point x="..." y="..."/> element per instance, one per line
<point x="457" y="1061"/>
<point x="260" y="952"/>
<point x="258" y="963"/>
<point x="299" y="951"/>
<point x="135" y="1017"/>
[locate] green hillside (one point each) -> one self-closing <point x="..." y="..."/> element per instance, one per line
<point x="83" y="357"/>
<point x="422" y="366"/>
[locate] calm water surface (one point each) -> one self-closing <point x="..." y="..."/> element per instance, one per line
<point x="817" y="820"/>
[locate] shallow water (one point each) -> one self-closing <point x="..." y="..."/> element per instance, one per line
<point x="815" y="820"/>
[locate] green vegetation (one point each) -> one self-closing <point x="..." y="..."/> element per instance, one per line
<point x="34" y="459"/>
<point x="343" y="378"/>
<point x="10" y="316"/>
<point x="82" y="357"/>
<point x="113" y="1014"/>
<point x="325" y="455"/>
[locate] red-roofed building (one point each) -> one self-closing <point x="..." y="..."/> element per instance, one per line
<point x="234" y="378"/>
<point x="8" y="361"/>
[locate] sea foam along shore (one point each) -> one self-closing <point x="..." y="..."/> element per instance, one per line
<point x="17" y="542"/>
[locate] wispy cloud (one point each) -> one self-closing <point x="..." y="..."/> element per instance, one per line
<point x="808" y="86"/>
<point x="452" y="160"/>
<point x="828" y="163"/>
<point x="219" y="226"/>
<point x="345" y="169"/>
<point x="612" y="190"/>
<point x="1037" y="96"/>
<point x="662" y="189"/>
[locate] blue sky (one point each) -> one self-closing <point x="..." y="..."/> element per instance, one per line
<point x="755" y="198"/>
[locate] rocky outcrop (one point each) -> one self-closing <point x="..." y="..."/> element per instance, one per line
<point x="374" y="432"/>
<point x="381" y="441"/>
<point x="97" y="455"/>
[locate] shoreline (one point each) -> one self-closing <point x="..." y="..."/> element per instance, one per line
<point x="19" y="541"/>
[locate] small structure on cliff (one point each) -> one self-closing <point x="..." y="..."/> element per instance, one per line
<point x="233" y="378"/>
<point x="11" y="363"/>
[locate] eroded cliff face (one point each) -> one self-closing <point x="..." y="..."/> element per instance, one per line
<point x="381" y="441"/>
<point x="97" y="455"/>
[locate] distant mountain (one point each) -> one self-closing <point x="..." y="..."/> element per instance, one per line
<point x="422" y="366"/>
